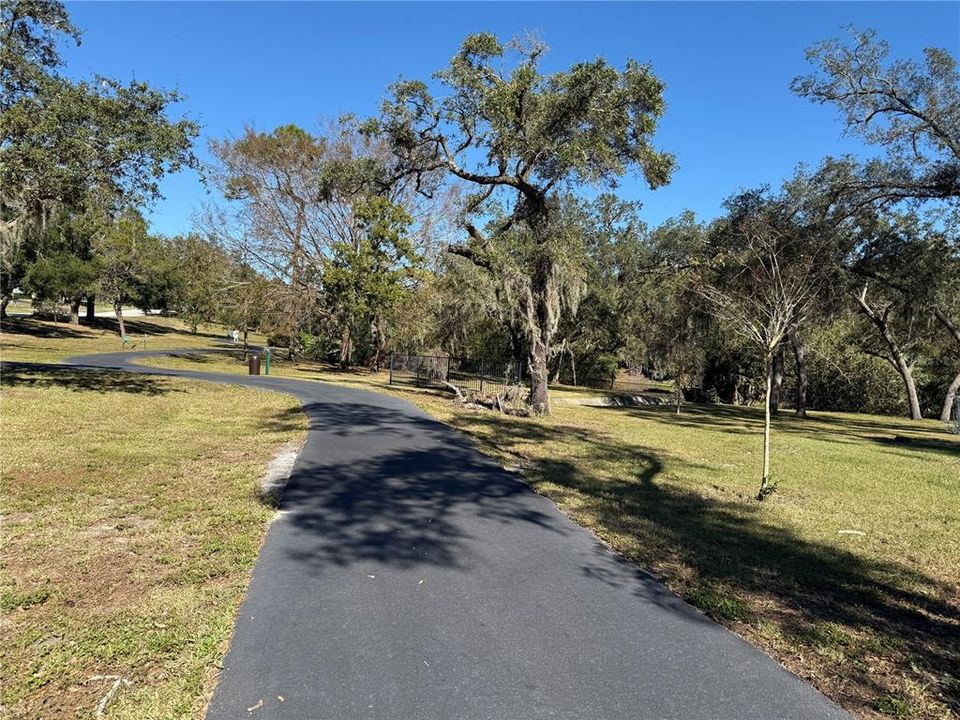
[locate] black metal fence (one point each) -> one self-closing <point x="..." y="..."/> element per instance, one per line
<point x="464" y="373"/>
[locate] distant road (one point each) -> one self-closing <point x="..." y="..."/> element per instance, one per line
<point x="127" y="313"/>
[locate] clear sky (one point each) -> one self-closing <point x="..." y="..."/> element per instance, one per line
<point x="730" y="119"/>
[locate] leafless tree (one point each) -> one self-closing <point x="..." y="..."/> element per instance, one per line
<point x="290" y="197"/>
<point x="762" y="286"/>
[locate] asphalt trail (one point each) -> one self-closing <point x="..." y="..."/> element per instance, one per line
<point x="409" y="577"/>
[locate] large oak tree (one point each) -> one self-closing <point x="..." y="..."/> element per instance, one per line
<point x="521" y="139"/>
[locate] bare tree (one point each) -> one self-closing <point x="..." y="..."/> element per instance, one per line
<point x="761" y="284"/>
<point x="291" y="202"/>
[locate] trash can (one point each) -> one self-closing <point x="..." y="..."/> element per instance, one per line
<point x="253" y="363"/>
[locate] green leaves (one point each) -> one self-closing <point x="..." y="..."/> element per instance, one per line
<point x="369" y="275"/>
<point x="911" y="110"/>
<point x="89" y="144"/>
<point x="513" y="126"/>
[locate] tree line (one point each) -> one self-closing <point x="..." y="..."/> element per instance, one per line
<point x="477" y="215"/>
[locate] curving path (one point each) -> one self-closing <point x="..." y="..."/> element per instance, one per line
<point x="408" y="577"/>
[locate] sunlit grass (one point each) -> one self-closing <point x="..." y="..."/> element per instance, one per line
<point x="29" y="340"/>
<point x="847" y="573"/>
<point x="131" y="520"/>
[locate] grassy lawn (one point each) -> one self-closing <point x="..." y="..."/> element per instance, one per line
<point x="29" y="340"/>
<point x="848" y="574"/>
<point x="131" y="519"/>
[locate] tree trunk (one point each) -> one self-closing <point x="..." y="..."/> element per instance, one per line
<point x="3" y="307"/>
<point x="517" y="347"/>
<point x="954" y="388"/>
<point x="376" y="331"/>
<point x="951" y="326"/>
<point x="906" y="372"/>
<point x="346" y="350"/>
<point x="561" y="351"/>
<point x="765" y="480"/>
<point x="540" y="309"/>
<point x="75" y="311"/>
<point x="776" y="387"/>
<point x="118" y="309"/>
<point x="800" y="362"/>
<point x="91" y="307"/>
<point x="896" y="355"/>
<point x="949" y="399"/>
<point x="539" y="375"/>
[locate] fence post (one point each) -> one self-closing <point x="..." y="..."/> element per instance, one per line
<point x="481" y="377"/>
<point x="416" y="379"/>
<point x="391" y="368"/>
<point x="447" y="377"/>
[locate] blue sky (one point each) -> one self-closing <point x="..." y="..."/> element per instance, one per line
<point x="731" y="118"/>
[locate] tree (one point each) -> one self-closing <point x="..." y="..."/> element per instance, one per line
<point x="202" y="272"/>
<point x="58" y="262"/>
<point x="954" y="387"/>
<point x="909" y="269"/>
<point x="367" y="276"/>
<point x="90" y="146"/>
<point x="759" y="276"/>
<point x="609" y="328"/>
<point x="295" y="202"/>
<point x="28" y="57"/>
<point x="124" y="250"/>
<point x="521" y="139"/>
<point x="910" y="110"/>
<point x="674" y="323"/>
<point x="244" y="297"/>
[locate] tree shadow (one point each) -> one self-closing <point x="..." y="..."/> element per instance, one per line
<point x="412" y="501"/>
<point x="422" y="499"/>
<point x="846" y="429"/>
<point x="26" y="326"/>
<point x="144" y="325"/>
<point x="728" y="544"/>
<point x="40" y="375"/>
<point x="922" y="444"/>
<point x="63" y="330"/>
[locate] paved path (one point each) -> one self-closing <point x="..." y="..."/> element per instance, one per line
<point x="408" y="577"/>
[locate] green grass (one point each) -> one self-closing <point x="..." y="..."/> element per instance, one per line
<point x="30" y="340"/>
<point x="871" y="619"/>
<point x="131" y="520"/>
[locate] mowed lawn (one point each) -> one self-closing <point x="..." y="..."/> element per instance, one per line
<point x="29" y="340"/>
<point x="847" y="574"/>
<point x="131" y="520"/>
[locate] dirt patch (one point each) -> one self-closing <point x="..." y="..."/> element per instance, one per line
<point x="278" y="471"/>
